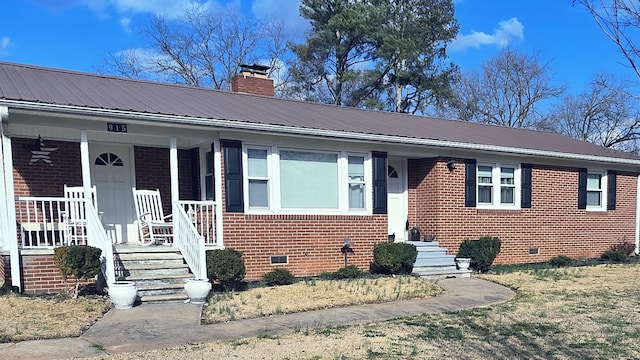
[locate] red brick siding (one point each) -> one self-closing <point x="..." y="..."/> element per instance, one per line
<point x="40" y="275"/>
<point x="312" y="242"/>
<point x="5" y="270"/>
<point x="41" y="179"/>
<point x="554" y="224"/>
<point x="152" y="172"/>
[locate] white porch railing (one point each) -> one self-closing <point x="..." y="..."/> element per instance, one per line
<point x="45" y="224"/>
<point x="202" y="214"/>
<point x="190" y="243"/>
<point x="41" y="221"/>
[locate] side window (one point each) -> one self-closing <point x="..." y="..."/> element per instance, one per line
<point x="356" y="182"/>
<point x="258" y="177"/>
<point x="498" y="186"/>
<point x="208" y="176"/>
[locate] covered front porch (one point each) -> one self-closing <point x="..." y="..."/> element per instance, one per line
<point x="66" y="186"/>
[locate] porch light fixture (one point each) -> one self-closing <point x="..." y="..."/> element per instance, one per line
<point x="346" y="249"/>
<point x="451" y="165"/>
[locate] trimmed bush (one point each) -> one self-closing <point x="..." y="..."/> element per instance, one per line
<point x="348" y="272"/>
<point x="226" y="267"/>
<point x="482" y="252"/>
<point x="80" y="261"/>
<point x="278" y="277"/>
<point x="393" y="258"/>
<point x="561" y="261"/>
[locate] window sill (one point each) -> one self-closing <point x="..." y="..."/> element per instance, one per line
<point x="498" y="211"/>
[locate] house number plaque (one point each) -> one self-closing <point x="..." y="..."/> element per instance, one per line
<point x="112" y="127"/>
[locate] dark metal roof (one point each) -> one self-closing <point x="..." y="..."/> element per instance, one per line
<point x="60" y="87"/>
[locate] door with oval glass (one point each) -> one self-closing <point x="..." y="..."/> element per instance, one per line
<point x="112" y="174"/>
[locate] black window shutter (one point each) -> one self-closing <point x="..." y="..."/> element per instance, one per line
<point x="195" y="173"/>
<point x="525" y="191"/>
<point x="582" y="188"/>
<point x="234" y="198"/>
<point x="379" y="182"/>
<point x="470" y="183"/>
<point x="611" y="189"/>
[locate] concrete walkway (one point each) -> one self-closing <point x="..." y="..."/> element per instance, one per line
<point x="162" y="325"/>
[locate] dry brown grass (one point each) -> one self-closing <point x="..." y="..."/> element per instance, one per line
<point x="313" y="295"/>
<point x="28" y="317"/>
<point x="572" y="313"/>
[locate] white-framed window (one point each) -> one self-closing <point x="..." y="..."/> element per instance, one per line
<point x="498" y="186"/>
<point x="258" y="177"/>
<point x="209" y="193"/>
<point x="596" y="190"/>
<point x="306" y="181"/>
<point x="356" y="182"/>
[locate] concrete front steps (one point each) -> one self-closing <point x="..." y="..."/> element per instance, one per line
<point x="158" y="271"/>
<point x="433" y="261"/>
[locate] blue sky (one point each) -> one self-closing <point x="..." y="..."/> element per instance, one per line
<point x="76" y="34"/>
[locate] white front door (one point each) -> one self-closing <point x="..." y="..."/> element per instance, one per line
<point x="112" y="174"/>
<point x="397" y="198"/>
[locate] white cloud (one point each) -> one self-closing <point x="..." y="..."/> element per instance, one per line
<point x="503" y="35"/>
<point x="168" y="8"/>
<point x="125" y="22"/>
<point x="286" y="10"/>
<point x="4" y="42"/>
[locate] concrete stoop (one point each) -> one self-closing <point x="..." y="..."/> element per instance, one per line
<point x="158" y="271"/>
<point x="433" y="262"/>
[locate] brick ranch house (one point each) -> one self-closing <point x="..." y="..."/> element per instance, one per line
<point x="286" y="182"/>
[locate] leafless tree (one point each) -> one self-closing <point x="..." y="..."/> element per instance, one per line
<point x="509" y="90"/>
<point x="619" y="20"/>
<point x="605" y="114"/>
<point x="202" y="48"/>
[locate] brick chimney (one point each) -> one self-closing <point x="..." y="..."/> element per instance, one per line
<point x="252" y="79"/>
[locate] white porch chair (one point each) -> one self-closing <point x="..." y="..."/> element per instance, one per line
<point x="75" y="216"/>
<point x="153" y="225"/>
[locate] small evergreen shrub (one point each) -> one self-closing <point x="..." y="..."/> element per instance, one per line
<point x="80" y="261"/>
<point x="278" y="277"/>
<point x="614" y="256"/>
<point x="393" y="258"/>
<point x="226" y="267"/>
<point x="482" y="252"/>
<point x="347" y="272"/>
<point x="561" y="261"/>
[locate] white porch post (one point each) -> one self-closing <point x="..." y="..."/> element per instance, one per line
<point x="9" y="236"/>
<point x="217" y="175"/>
<point x="175" y="190"/>
<point x="85" y="163"/>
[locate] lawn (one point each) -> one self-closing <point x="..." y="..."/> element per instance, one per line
<point x="567" y="313"/>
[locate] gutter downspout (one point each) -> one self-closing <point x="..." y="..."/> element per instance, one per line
<point x="637" y="235"/>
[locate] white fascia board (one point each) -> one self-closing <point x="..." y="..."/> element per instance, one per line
<point x="280" y="129"/>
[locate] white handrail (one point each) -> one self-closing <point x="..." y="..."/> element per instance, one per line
<point x="42" y="221"/>
<point x="190" y="243"/>
<point x="97" y="237"/>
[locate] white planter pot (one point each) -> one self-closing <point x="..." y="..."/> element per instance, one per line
<point x="463" y="263"/>
<point x="198" y="290"/>
<point x="123" y="294"/>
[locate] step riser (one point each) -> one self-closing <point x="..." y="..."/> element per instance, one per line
<point x="159" y="276"/>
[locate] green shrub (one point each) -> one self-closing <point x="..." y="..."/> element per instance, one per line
<point x="393" y="258"/>
<point x="561" y="261"/>
<point x="482" y="252"/>
<point x="226" y="267"/>
<point x="347" y="272"/>
<point x="615" y="256"/>
<point x="80" y="261"/>
<point x="278" y="277"/>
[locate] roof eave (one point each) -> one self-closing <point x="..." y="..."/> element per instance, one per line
<point x="290" y="130"/>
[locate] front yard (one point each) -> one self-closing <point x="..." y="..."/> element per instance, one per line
<point x="566" y="313"/>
